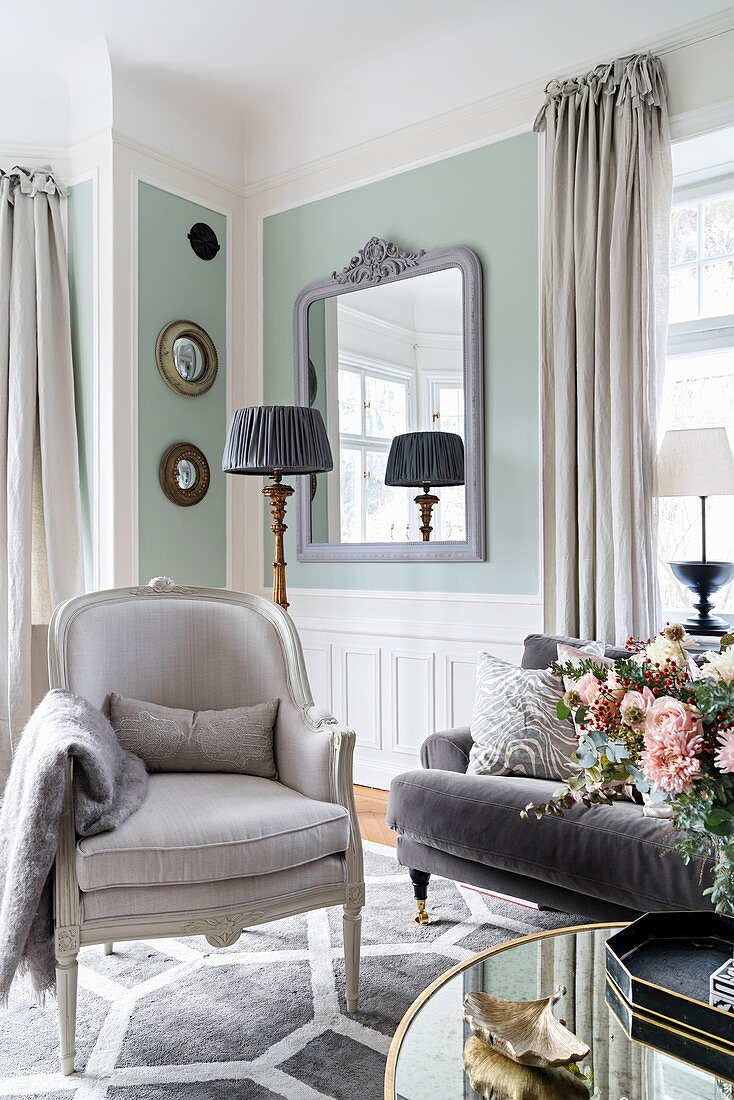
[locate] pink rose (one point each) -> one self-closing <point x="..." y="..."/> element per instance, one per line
<point x="666" y="714"/>
<point x="724" y="757"/>
<point x="634" y="707"/>
<point x="588" y="688"/>
<point x="673" y="739"/>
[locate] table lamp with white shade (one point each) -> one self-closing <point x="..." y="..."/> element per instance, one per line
<point x="699" y="462"/>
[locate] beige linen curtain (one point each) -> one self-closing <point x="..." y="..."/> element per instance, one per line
<point x="608" y="187"/>
<point x="40" y="521"/>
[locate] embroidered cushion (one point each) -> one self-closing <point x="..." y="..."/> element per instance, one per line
<point x="514" y="726"/>
<point x="169" y="740"/>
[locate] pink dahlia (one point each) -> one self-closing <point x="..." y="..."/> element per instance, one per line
<point x="673" y="739"/>
<point x="724" y="756"/>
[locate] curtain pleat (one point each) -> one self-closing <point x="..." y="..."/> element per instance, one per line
<point x="36" y="411"/>
<point x="621" y="1067"/>
<point x="608" y="187"/>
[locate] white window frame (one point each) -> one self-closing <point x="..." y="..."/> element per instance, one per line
<point x="702" y="334"/>
<point x="375" y="368"/>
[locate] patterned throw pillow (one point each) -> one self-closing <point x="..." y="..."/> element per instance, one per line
<point x="168" y="740"/>
<point x="514" y="726"/>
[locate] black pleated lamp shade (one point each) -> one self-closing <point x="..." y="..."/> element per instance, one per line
<point x="288" y="438"/>
<point x="426" y="458"/>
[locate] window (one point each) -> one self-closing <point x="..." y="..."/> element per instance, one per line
<point x="375" y="404"/>
<point x="699" y="378"/>
<point x="702" y="258"/>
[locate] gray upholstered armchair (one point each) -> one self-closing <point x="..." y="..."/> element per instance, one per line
<point x="206" y="854"/>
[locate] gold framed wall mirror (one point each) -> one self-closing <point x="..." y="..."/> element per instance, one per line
<point x="186" y="358"/>
<point x="184" y="474"/>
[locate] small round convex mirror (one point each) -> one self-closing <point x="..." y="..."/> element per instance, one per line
<point x="186" y="358"/>
<point x="184" y="474"/>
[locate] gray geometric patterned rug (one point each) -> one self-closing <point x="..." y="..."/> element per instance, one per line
<point x="264" y="1019"/>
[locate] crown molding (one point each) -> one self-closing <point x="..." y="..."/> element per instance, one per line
<point x="450" y="121"/>
<point x="127" y="141"/>
<point x="20" y="154"/>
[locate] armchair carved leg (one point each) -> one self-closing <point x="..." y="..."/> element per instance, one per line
<point x="420" y="880"/>
<point x="67" y="949"/>
<point x="352" y="938"/>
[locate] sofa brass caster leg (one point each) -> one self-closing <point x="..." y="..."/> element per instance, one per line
<point x="422" y="917"/>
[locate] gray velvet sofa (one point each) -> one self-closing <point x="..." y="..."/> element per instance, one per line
<point x="604" y="863"/>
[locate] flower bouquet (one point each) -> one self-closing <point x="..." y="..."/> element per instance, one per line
<point x="653" y="722"/>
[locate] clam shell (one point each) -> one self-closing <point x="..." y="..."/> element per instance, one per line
<point x="524" y="1031"/>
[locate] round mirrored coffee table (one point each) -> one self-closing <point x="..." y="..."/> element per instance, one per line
<point x="424" y="1062"/>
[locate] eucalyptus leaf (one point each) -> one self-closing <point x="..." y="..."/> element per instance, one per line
<point x="658" y="795"/>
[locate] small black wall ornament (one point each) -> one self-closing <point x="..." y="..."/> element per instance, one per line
<point x="203" y="240"/>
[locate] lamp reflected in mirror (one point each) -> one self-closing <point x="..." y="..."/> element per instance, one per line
<point x="426" y="459"/>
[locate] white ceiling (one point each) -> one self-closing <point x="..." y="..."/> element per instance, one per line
<point x="284" y="82"/>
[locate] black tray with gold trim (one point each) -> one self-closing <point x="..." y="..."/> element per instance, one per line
<point x="652" y="1031"/>
<point x="661" y="965"/>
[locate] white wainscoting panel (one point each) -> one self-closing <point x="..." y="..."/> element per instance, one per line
<point x="361" y="692"/>
<point x="461" y="674"/>
<point x="413" y="699"/>
<point x="397" y="666"/>
<point x="317" y="656"/>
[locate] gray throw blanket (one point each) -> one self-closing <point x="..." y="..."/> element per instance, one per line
<point x="109" y="784"/>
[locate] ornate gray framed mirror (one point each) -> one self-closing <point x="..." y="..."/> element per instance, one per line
<point x="395" y="342"/>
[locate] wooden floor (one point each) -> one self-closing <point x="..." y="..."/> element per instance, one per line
<point x="371" y="806"/>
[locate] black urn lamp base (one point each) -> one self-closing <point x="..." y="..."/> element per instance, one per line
<point x="704" y="578"/>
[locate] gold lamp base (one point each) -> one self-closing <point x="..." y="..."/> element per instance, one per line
<point x="426" y="502"/>
<point x="278" y="495"/>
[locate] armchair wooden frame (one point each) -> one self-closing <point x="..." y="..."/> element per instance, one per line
<point x="221" y="929"/>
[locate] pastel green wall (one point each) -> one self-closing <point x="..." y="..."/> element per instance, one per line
<point x="81" y="301"/>
<point x="188" y="544"/>
<point x="488" y="200"/>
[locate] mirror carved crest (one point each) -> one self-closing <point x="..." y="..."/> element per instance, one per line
<point x="378" y="260"/>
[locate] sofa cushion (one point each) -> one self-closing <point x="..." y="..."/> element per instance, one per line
<point x="514" y="725"/>
<point x="611" y="852"/>
<point x="198" y="827"/>
<point x="139" y="902"/>
<point x="541" y="649"/>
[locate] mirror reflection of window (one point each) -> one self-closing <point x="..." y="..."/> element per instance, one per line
<point x="389" y="360"/>
<point x="373" y="407"/>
